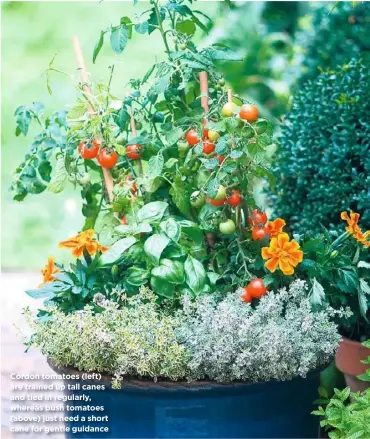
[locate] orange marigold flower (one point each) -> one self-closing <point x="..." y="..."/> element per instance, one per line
<point x="275" y="227"/>
<point x="49" y="270"/>
<point x="354" y="229"/>
<point x="84" y="240"/>
<point x="283" y="253"/>
<point x="352" y="221"/>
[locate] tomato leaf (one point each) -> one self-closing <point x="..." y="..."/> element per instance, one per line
<point x="152" y="212"/>
<point x="58" y="177"/>
<point x="98" y="46"/>
<point x="180" y="196"/>
<point x="117" y="250"/>
<point x="142" y="28"/>
<point x="118" y="38"/>
<point x="186" y="27"/>
<point x="195" y="274"/>
<point x="155" y="165"/>
<point x="154" y="247"/>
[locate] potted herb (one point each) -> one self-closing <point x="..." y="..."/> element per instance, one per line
<point x="164" y="298"/>
<point x="347" y="414"/>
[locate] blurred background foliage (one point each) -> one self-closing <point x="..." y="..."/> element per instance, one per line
<point x="283" y="44"/>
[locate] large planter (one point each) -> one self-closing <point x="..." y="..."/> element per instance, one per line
<point x="348" y="361"/>
<point x="143" y="409"/>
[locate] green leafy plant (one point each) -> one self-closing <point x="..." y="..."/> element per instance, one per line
<point x="322" y="162"/>
<point x="337" y="34"/>
<point x="346" y="414"/>
<point x="216" y="338"/>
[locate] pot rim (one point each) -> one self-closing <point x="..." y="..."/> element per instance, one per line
<point x="146" y="383"/>
<point x="353" y="342"/>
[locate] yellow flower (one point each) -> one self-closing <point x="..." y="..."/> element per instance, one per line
<point x="283" y="253"/>
<point x="49" y="270"/>
<point x="275" y="227"/>
<point x="354" y="229"/>
<point x="84" y="240"/>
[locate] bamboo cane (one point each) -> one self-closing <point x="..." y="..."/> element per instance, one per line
<point x="108" y="180"/>
<point x="203" y="79"/>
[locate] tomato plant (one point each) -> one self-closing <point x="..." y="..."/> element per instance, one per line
<point x="188" y="162"/>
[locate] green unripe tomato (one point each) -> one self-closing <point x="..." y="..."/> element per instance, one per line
<point x="121" y="140"/>
<point x="138" y="126"/>
<point x="85" y="179"/>
<point x="334" y="254"/>
<point x="217" y="86"/>
<point x="183" y="148"/>
<point x="221" y="82"/>
<point x="183" y="46"/>
<point x="197" y="199"/>
<point x="213" y="135"/>
<point x="227" y="227"/>
<point x="158" y="117"/>
<point x="221" y="193"/>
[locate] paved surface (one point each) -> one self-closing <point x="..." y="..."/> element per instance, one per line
<point x="14" y="359"/>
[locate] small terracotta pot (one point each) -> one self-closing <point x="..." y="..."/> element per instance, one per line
<point x="348" y="361"/>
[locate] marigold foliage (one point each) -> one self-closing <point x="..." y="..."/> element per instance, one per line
<point x="322" y="164"/>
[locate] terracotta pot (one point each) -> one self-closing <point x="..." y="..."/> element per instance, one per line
<point x="348" y="361"/>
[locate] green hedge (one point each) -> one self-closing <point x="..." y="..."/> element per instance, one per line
<point x="337" y="35"/>
<point x="322" y="163"/>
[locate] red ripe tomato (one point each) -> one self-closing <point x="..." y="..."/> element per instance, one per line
<point x="88" y="151"/>
<point x="107" y="159"/>
<point x="246" y="297"/>
<point x="235" y="198"/>
<point x="208" y="147"/>
<point x="216" y="202"/>
<point x="259" y="233"/>
<point x="256" y="288"/>
<point x="124" y="220"/>
<point x="248" y="112"/>
<point x="257" y="218"/>
<point x="192" y="137"/>
<point x="221" y="158"/>
<point x="134" y="152"/>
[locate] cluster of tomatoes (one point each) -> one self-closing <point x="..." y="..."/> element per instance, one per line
<point x="247" y="112"/>
<point x="90" y="150"/>
<point x="106" y="157"/>
<point x="254" y="290"/>
<point x="258" y="221"/>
